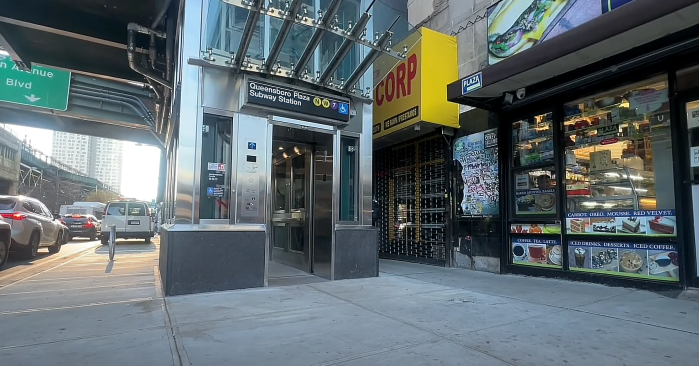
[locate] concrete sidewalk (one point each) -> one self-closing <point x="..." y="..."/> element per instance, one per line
<point x="411" y="315"/>
<point x="421" y="315"/>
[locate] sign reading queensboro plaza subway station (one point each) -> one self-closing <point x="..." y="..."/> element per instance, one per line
<point x="41" y="87"/>
<point x="301" y="102"/>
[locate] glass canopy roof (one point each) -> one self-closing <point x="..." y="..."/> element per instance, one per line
<point x="331" y="43"/>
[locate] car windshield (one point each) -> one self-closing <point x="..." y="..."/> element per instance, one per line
<point x="116" y="209"/>
<point x="7" y="204"/>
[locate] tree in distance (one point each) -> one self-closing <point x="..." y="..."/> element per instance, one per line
<point x="102" y="196"/>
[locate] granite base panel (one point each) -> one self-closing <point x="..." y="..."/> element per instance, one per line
<point x="356" y="253"/>
<point x="205" y="261"/>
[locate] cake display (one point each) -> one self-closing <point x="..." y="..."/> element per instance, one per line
<point x="631" y="224"/>
<point x="577" y="226"/>
<point x="662" y="225"/>
<point x="605" y="226"/>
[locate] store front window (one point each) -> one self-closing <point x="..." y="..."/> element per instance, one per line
<point x="534" y="175"/>
<point x="619" y="162"/>
<point x="619" y="182"/>
<point x="533" y="140"/>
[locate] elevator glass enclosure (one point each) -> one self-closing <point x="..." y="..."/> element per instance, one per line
<point x="302" y="172"/>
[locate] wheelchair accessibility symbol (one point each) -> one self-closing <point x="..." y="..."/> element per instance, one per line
<point x="343" y="108"/>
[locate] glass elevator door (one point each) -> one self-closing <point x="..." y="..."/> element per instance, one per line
<point x="302" y="166"/>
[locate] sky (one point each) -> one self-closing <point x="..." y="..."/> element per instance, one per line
<point x="139" y="175"/>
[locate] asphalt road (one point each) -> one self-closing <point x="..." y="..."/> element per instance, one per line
<point x="74" y="246"/>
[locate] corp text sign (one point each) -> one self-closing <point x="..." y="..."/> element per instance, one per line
<point x="41" y="87"/>
<point x="412" y="91"/>
<point x="265" y="94"/>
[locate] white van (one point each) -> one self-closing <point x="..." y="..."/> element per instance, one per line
<point x="84" y="208"/>
<point x="132" y="220"/>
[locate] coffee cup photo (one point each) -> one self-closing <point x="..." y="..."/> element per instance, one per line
<point x="519" y="252"/>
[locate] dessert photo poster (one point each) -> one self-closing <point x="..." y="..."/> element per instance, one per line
<point x="535" y="202"/>
<point x="644" y="260"/>
<point x="656" y="223"/>
<point x="537" y="252"/>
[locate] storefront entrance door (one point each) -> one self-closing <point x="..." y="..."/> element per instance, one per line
<point x="691" y="109"/>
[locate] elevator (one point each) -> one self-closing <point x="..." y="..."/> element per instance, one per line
<point x="301" y="199"/>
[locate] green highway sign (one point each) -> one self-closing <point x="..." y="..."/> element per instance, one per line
<point x="42" y="87"/>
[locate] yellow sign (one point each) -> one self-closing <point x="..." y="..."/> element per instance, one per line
<point x="326" y="103"/>
<point x="317" y="101"/>
<point x="415" y="90"/>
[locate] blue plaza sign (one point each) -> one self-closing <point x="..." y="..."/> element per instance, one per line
<point x="472" y="83"/>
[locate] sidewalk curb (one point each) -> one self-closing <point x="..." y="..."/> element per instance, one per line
<point x="179" y="354"/>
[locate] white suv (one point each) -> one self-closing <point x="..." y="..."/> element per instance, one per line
<point x="33" y="225"/>
<point x="131" y="218"/>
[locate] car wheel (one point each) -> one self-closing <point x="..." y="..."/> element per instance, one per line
<point x="147" y="240"/>
<point x="33" y="248"/>
<point x="56" y="247"/>
<point x="4" y="253"/>
<point x="104" y="240"/>
<point x="93" y="236"/>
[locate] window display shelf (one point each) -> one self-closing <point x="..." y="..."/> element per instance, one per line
<point x="533" y="141"/>
<point x="618" y="124"/>
<point x="616" y="184"/>
<point x="601" y="198"/>
<point x="593" y="112"/>
<point x="596" y="141"/>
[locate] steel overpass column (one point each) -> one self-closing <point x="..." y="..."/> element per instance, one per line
<point x="162" y="173"/>
<point x="190" y="115"/>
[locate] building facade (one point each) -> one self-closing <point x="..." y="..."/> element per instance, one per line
<point x="575" y="154"/>
<point x="107" y="162"/>
<point x="9" y="162"/>
<point x="95" y="157"/>
<point x="591" y="107"/>
<point x="73" y="150"/>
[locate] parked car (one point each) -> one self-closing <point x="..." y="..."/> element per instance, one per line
<point x="85" y="226"/>
<point x="131" y="218"/>
<point x="5" y="241"/>
<point x="66" y="231"/>
<point x="33" y="225"/>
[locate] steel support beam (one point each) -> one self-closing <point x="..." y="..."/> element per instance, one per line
<point x="316" y="38"/>
<point x="248" y="32"/>
<point x="369" y="59"/>
<point x="345" y="47"/>
<point x="16" y="54"/>
<point x="65" y="33"/>
<point x="284" y="31"/>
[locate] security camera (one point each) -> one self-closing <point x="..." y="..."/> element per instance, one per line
<point x="521" y="92"/>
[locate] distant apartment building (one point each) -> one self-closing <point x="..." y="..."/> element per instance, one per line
<point x="95" y="157"/>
